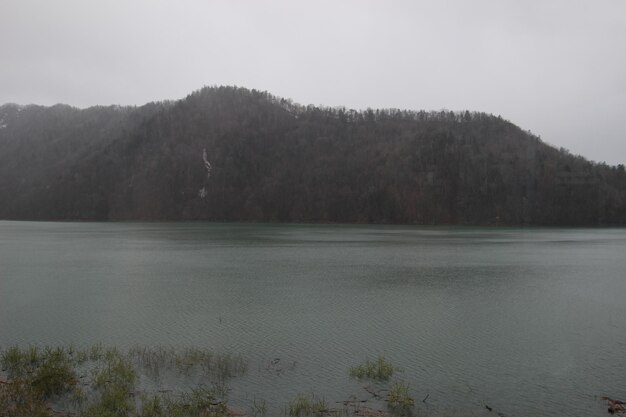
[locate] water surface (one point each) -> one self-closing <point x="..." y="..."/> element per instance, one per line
<point x="531" y="322"/>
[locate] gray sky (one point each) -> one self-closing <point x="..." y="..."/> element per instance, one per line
<point x="555" y="67"/>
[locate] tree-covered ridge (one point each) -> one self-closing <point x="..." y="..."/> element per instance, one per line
<point x="232" y="154"/>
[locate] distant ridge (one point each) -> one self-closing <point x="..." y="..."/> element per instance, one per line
<point x="233" y="154"/>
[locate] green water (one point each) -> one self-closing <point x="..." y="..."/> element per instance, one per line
<point x="531" y="322"/>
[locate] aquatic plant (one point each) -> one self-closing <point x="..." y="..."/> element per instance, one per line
<point x="54" y="374"/>
<point x="399" y="399"/>
<point x="96" y="352"/>
<point x="34" y="377"/>
<point x="11" y="360"/>
<point x="200" y="402"/>
<point x="190" y="358"/>
<point x="113" y="383"/>
<point x="18" y="399"/>
<point x="379" y="369"/>
<point x="152" y="360"/>
<point x="18" y="362"/>
<point x="306" y="405"/>
<point x="214" y="365"/>
<point x="153" y="406"/>
<point x="38" y="379"/>
<point x="226" y="366"/>
<point x="259" y="408"/>
<point x="49" y="372"/>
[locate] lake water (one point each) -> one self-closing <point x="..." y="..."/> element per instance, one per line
<point x="531" y="322"/>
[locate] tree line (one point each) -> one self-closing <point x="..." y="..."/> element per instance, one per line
<point x="272" y="160"/>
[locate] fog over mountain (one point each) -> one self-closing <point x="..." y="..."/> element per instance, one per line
<point x="233" y="154"/>
<point x="554" y="67"/>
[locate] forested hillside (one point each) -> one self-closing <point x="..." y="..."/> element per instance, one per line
<point x="231" y="154"/>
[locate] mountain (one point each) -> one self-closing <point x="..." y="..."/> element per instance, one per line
<point x="232" y="154"/>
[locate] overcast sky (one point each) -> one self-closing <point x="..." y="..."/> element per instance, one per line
<point x="555" y="67"/>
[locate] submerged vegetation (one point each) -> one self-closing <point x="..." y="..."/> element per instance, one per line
<point x="379" y="369"/>
<point x="307" y="405"/>
<point x="108" y="382"/>
<point x="103" y="382"/>
<point x="217" y="365"/>
<point x="35" y="376"/>
<point x="399" y="399"/>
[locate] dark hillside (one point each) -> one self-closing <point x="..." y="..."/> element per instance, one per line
<point x="268" y="159"/>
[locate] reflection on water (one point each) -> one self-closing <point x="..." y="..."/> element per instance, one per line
<point x="531" y="322"/>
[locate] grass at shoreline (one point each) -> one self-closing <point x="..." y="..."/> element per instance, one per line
<point x="107" y="382"/>
<point x="102" y="382"/>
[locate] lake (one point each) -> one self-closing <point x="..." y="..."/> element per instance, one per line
<point x="531" y="322"/>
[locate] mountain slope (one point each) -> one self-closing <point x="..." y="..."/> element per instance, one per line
<point x="233" y="154"/>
